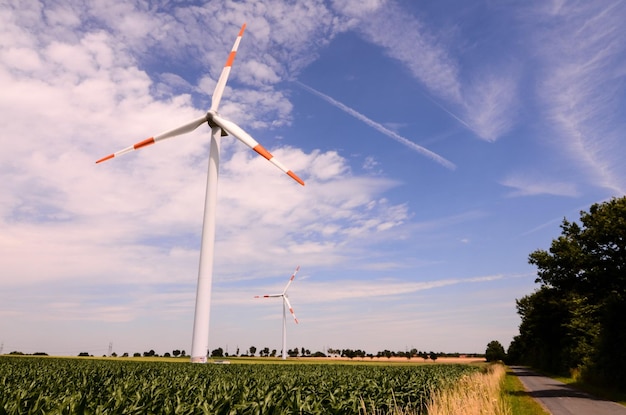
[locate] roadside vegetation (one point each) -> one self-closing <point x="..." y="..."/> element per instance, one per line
<point x="478" y="393"/>
<point x="575" y="381"/>
<point x="574" y="322"/>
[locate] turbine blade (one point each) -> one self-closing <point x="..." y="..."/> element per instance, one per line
<point x="291" y="279"/>
<point x="268" y="296"/>
<point x="185" y="128"/>
<point x="286" y="300"/>
<point x="221" y="82"/>
<point x="236" y="131"/>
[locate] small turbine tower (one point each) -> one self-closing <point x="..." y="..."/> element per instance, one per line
<point x="219" y="127"/>
<point x="286" y="305"/>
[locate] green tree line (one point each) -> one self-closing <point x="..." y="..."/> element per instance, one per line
<point x="576" y="319"/>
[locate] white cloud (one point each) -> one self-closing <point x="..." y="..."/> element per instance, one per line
<point x="78" y="220"/>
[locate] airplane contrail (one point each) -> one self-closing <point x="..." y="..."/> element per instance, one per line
<point x="424" y="151"/>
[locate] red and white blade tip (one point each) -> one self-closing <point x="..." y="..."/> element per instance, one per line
<point x="293" y="314"/>
<point x="137" y="146"/>
<point x="262" y="151"/>
<point x="295" y="272"/>
<point x="221" y="81"/>
<point x="286" y="300"/>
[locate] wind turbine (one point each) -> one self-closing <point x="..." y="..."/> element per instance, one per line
<point x="286" y="305"/>
<point x="219" y="127"/>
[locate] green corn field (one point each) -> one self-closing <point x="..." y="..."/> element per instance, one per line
<point x="30" y="385"/>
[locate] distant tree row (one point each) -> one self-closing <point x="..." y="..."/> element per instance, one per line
<point x="296" y="352"/>
<point x="16" y="353"/>
<point x="150" y="353"/>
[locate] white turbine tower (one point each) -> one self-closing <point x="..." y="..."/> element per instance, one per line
<point x="219" y="127"/>
<point x="286" y="305"/>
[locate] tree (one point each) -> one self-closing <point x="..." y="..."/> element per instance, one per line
<point x="176" y="353"/>
<point x="348" y="353"/>
<point x="219" y="352"/>
<point x="334" y="352"/>
<point x="252" y="350"/>
<point x="495" y="351"/>
<point x="590" y="259"/>
<point x="583" y="286"/>
<point x="543" y="341"/>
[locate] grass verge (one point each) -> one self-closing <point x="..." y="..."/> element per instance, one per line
<point x="575" y="381"/>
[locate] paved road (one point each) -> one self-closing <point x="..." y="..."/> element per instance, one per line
<point x="560" y="399"/>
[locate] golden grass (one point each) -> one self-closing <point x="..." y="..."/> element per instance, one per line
<point x="475" y="394"/>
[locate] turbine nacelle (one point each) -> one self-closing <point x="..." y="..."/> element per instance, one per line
<point x="212" y="124"/>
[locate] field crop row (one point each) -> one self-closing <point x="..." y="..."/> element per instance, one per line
<point x="77" y="386"/>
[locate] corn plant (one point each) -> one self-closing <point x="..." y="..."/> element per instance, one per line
<point x="30" y="385"/>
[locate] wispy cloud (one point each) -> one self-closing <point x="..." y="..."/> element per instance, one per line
<point x="490" y="103"/>
<point x="486" y="105"/>
<point x="571" y="216"/>
<point x="382" y="129"/>
<point x="582" y="47"/>
<point x="407" y="39"/>
<point x="309" y="291"/>
<point x="527" y="185"/>
<point x="329" y="292"/>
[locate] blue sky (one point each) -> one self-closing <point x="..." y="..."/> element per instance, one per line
<point x="441" y="142"/>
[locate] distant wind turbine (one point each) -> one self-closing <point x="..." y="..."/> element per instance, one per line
<point x="286" y="305"/>
<point x="408" y="143"/>
<point x="219" y="127"/>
